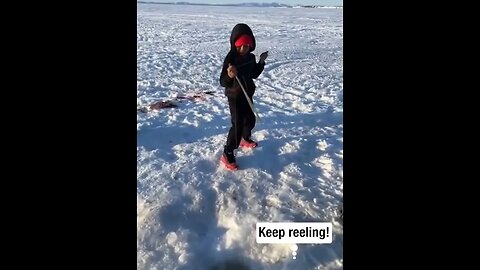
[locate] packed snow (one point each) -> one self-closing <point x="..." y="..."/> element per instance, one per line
<point x="192" y="213"/>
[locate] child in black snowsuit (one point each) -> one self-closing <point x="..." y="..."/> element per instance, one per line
<point x="240" y="65"/>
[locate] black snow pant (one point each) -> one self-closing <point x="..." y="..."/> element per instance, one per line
<point x="243" y="121"/>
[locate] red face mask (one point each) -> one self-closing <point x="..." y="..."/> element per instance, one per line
<point x="244" y="40"/>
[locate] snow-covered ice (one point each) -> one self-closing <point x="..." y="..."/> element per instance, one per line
<point x="191" y="212"/>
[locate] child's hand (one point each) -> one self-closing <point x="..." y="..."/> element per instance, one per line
<point x="263" y="56"/>
<point x="231" y="71"/>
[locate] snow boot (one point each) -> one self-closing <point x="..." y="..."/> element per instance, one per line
<point x="248" y="143"/>
<point x="228" y="159"/>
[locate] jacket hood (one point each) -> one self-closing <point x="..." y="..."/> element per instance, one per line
<point x="239" y="30"/>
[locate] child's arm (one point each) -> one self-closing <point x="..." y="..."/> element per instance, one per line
<point x="258" y="70"/>
<point x="225" y="80"/>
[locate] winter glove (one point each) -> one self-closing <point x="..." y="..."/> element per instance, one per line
<point x="263" y="56"/>
<point x="231" y="71"/>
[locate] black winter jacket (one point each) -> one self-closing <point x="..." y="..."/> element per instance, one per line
<point x="247" y="67"/>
